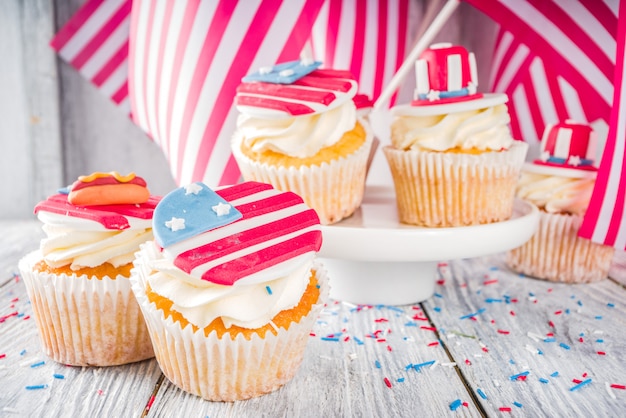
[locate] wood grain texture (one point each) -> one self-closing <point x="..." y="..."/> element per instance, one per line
<point x="504" y="324"/>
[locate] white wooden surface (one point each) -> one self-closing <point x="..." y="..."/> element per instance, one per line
<point x="345" y="366"/>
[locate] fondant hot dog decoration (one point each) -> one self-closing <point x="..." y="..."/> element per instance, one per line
<point x="99" y="189"/>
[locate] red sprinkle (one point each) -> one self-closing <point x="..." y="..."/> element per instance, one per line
<point x="487" y="282"/>
<point x="469" y="363"/>
<point x="381" y="320"/>
<point x="434" y="343"/>
<point x="502" y="331"/>
<point x="602" y="353"/>
<point x="581" y="340"/>
<point x="312" y="334"/>
<point x="585" y="374"/>
<point x="3" y="355"/>
<point x="577" y="381"/>
<point x="150" y="402"/>
<point x="389" y="348"/>
<point x="485" y="349"/>
<point x="26" y="317"/>
<point x="419" y="318"/>
<point x="558" y="312"/>
<point x="551" y="324"/>
<point x="512" y="313"/>
<point x="387" y="382"/>
<point x="347" y="338"/>
<point x="505" y="409"/>
<point x="381" y="340"/>
<point x="616" y="386"/>
<point x="428" y="328"/>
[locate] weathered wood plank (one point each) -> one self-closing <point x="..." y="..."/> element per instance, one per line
<point x="504" y="325"/>
<point x="18" y="238"/>
<point x="341" y="377"/>
<point x="57" y="390"/>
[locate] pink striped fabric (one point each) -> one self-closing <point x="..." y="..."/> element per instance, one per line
<point x="95" y="42"/>
<point x="568" y="73"/>
<point x="368" y="38"/>
<point x="605" y="220"/>
<point x="187" y="59"/>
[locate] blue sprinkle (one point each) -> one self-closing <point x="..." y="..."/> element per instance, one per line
<point x="573" y="297"/>
<point x="330" y="339"/>
<point x="481" y="393"/>
<point x="581" y="384"/>
<point x="515" y="376"/>
<point x="438" y="295"/>
<point x="454" y="405"/>
<point x="411" y="324"/>
<point x="579" y="303"/>
<point x="582" y="334"/>
<point x="400" y="379"/>
<point x="35" y="387"/>
<point x="437" y="309"/>
<point x="58" y="376"/>
<point x="599" y="317"/>
<point x="359" y="342"/>
<point x="317" y="286"/>
<point x="566" y="311"/>
<point x="20" y="315"/>
<point x="610" y="305"/>
<point x="599" y="340"/>
<point x="511" y="361"/>
<point x="519" y="405"/>
<point x="417" y="367"/>
<point x="531" y="294"/>
<point x="408" y="366"/>
<point x="40" y="363"/>
<point x="543" y="380"/>
<point x="565" y="346"/>
<point x="377" y="363"/>
<point x="555" y="374"/>
<point x="549" y="340"/>
<point x="491" y="300"/>
<point x="471" y="315"/>
<point x="269" y="290"/>
<point x="493" y="268"/>
<point x="395" y="308"/>
<point x="22" y="352"/>
<point x="539" y="352"/>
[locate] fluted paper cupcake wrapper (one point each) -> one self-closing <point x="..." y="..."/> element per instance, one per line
<point x="225" y="369"/>
<point x="334" y="189"/>
<point x="556" y="253"/>
<point x="86" y="321"/>
<point x="437" y="189"/>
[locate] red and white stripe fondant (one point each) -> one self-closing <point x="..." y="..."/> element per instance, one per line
<point x="276" y="227"/>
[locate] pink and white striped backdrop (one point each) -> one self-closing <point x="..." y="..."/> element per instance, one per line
<point x="567" y="73"/>
<point x="176" y="65"/>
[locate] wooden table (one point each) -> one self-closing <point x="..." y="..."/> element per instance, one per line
<point x="488" y="343"/>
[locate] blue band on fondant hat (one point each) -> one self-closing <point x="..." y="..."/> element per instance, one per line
<point x="557" y="160"/>
<point x="443" y="94"/>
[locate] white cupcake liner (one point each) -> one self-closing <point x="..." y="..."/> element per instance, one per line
<point x="334" y="188"/>
<point x="86" y="321"/>
<point x="556" y="253"/>
<point x="439" y="189"/>
<point x="224" y="369"/>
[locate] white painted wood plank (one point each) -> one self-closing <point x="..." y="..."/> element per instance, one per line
<point x="341" y="378"/>
<point x="18" y="238"/>
<point x="506" y="309"/>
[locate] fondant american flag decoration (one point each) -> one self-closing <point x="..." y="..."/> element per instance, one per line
<point x="275" y="227"/>
<point x="319" y="91"/>
<point x="569" y="144"/>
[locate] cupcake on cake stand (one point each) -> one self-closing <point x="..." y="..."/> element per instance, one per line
<point x="454" y="167"/>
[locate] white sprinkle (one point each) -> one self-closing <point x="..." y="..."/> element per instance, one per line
<point x="349" y="305"/>
<point x="534" y="337"/>
<point x="496" y="383"/>
<point x="531" y="349"/>
<point x="436" y="363"/>
<point x="352" y="356"/>
<point x="607" y="385"/>
<point x="598" y="331"/>
<point x="452" y="364"/>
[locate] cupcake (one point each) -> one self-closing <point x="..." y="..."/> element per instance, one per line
<point x="452" y="158"/>
<point x="299" y="130"/>
<point x="560" y="184"/>
<point x="230" y="287"/>
<point x="78" y="280"/>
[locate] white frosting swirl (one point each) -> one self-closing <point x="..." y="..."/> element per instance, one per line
<point x="298" y="136"/>
<point x="482" y="129"/>
<point x="247" y="303"/>
<point x="556" y="194"/>
<point x="85" y="243"/>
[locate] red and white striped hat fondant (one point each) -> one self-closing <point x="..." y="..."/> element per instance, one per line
<point x="569" y="144"/>
<point x="445" y="73"/>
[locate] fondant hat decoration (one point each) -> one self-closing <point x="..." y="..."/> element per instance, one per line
<point x="569" y="145"/>
<point x="445" y="73"/>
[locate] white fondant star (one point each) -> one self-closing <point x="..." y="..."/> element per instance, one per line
<point x="433" y="95"/>
<point x="574" y="160"/>
<point x="265" y="70"/>
<point x="192" y="188"/>
<point x="544" y="156"/>
<point x="471" y="87"/>
<point x="175" y="224"/>
<point x="286" y="73"/>
<point x="221" y="209"/>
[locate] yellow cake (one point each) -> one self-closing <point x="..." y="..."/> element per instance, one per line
<point x="305" y="135"/>
<point x="452" y="158"/>
<point x="230" y="288"/>
<point x="78" y="281"/>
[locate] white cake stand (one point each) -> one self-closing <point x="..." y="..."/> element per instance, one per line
<point x="373" y="259"/>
